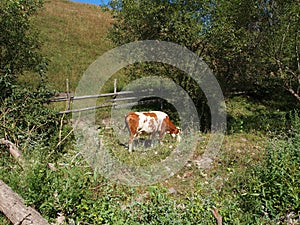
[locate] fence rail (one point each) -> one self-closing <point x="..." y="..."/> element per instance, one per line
<point x="72" y="97"/>
<point x="113" y="102"/>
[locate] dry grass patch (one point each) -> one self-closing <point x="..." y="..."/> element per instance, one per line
<point x="238" y="152"/>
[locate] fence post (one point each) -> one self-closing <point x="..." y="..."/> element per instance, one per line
<point x="115" y="86"/>
<point x="68" y="95"/>
<point x="160" y="99"/>
<point x="115" y="92"/>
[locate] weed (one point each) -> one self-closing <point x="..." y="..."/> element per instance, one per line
<point x="272" y="188"/>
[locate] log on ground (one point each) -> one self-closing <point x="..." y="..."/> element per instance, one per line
<point x="14" y="208"/>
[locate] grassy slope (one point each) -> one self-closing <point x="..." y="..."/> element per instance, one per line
<point x="73" y="36"/>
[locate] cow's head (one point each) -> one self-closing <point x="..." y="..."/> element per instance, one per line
<point x="176" y="133"/>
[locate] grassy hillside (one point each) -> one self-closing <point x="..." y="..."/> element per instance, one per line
<point x="73" y="36"/>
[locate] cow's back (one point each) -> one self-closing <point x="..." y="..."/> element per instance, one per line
<point x="148" y="122"/>
<point x="161" y="117"/>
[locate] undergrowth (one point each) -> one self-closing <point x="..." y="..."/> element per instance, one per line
<point x="245" y="189"/>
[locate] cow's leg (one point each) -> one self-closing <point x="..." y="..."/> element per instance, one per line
<point x="130" y="142"/>
<point x="152" y="138"/>
<point x="131" y="124"/>
<point x="162" y="131"/>
<point x="161" y="135"/>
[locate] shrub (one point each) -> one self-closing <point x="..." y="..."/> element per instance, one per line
<point x="272" y="189"/>
<point x="25" y="118"/>
<point x="19" y="43"/>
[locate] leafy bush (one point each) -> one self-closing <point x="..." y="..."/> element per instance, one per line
<point x="272" y="189"/>
<point x="245" y="114"/>
<point x="19" y="43"/>
<point x="69" y="192"/>
<point x="26" y="119"/>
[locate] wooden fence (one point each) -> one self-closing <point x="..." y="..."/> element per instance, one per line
<point x="112" y="102"/>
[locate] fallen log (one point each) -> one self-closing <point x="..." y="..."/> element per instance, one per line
<point x="13" y="207"/>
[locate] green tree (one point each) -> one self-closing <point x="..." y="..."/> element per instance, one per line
<point x="181" y="22"/>
<point x="282" y="43"/>
<point x="19" y="42"/>
<point x="23" y="116"/>
<point x="254" y="45"/>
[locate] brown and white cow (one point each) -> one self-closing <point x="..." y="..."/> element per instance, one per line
<point x="151" y="122"/>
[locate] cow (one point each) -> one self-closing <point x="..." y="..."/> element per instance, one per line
<point x="151" y="122"/>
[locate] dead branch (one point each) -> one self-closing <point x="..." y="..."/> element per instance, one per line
<point x="217" y="215"/>
<point x="14" y="151"/>
<point x="13" y="207"/>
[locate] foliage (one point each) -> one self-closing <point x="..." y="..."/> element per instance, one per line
<point x="245" y="114"/>
<point x="25" y="118"/>
<point x="165" y="21"/>
<point x="68" y="192"/>
<point x="233" y="37"/>
<point x="254" y="45"/>
<point x="248" y="183"/>
<point x="281" y="43"/>
<point x="158" y="207"/>
<point x="239" y="186"/>
<point x="18" y="42"/>
<point x="4" y="221"/>
<point x="271" y="189"/>
<point x="158" y="20"/>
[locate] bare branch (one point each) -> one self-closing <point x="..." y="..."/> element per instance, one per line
<point x="217" y="215"/>
<point x="291" y="90"/>
<point x="284" y="37"/>
<point x="14" y="151"/>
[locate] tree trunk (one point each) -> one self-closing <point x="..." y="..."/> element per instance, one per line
<point x="15" y="210"/>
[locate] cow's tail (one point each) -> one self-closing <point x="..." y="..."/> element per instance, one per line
<point x="126" y="124"/>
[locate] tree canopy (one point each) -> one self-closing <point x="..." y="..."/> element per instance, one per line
<point x="252" y="46"/>
<point x="255" y="44"/>
<point x="19" y="42"/>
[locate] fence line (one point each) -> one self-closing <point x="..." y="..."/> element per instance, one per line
<point x="85" y="109"/>
<point x="69" y="97"/>
<point x="72" y="97"/>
